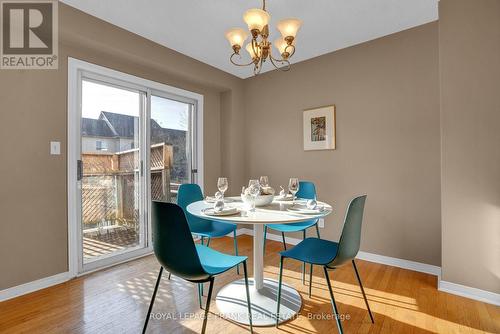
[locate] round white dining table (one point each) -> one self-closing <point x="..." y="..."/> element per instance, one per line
<point x="231" y="299"/>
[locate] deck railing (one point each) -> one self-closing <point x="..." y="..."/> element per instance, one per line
<point x="109" y="184"/>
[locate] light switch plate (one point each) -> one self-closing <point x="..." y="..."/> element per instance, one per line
<point x="55" y="148"/>
<point x="321" y="223"/>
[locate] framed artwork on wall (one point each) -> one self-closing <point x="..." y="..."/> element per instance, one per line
<point x="319" y="128"/>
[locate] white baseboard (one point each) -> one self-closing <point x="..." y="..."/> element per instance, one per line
<point x="400" y="263"/>
<point x="468" y="292"/>
<point x="387" y="260"/>
<point x="33" y="286"/>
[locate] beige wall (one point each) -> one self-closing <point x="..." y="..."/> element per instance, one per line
<point x="387" y="96"/>
<point x="469" y="49"/>
<point x="33" y="111"/>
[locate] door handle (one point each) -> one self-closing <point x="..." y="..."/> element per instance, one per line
<point x="79" y="170"/>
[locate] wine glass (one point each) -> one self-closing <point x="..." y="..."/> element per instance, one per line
<point x="264" y="181"/>
<point x="222" y="185"/>
<point x="254" y="189"/>
<point x="293" y="187"/>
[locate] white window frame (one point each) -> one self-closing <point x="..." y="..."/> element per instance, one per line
<point x="75" y="69"/>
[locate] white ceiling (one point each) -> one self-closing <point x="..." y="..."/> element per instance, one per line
<point x="196" y="27"/>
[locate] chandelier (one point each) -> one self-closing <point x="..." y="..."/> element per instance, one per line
<point x="259" y="47"/>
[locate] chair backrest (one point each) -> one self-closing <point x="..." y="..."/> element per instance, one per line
<point x="172" y="242"/>
<point x="351" y="232"/>
<point x="307" y="190"/>
<point x="189" y="193"/>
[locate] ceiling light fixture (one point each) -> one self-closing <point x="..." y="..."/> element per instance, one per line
<point x="259" y="47"/>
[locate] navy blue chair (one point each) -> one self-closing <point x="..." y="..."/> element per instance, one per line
<point x="189" y="193"/>
<point x="307" y="190"/>
<point x="332" y="255"/>
<point x="176" y="252"/>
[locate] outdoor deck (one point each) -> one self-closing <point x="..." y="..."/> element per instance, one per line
<point x="103" y="242"/>
<point x="110" y="197"/>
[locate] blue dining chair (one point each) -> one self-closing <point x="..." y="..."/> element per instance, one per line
<point x="307" y="190"/>
<point x="176" y="252"/>
<point x="190" y="193"/>
<point x="332" y="255"/>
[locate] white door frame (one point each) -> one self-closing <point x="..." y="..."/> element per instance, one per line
<point x="75" y="69"/>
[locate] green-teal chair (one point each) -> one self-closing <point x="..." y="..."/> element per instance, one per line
<point x="190" y="193"/>
<point x="176" y="251"/>
<point x="307" y="190"/>
<point x="332" y="255"/>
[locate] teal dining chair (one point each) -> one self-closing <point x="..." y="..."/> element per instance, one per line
<point x="332" y="255"/>
<point x="190" y="193"/>
<point x="176" y="252"/>
<point x="307" y="190"/>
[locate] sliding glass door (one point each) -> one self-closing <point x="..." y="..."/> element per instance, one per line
<point x="111" y="171"/>
<point x="135" y="143"/>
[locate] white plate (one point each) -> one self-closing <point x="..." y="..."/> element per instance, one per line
<point x="224" y="212"/>
<point x="303" y="209"/>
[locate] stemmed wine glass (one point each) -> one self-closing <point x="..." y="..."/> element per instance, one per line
<point x="293" y="187"/>
<point x="222" y="185"/>
<point x="254" y="189"/>
<point x="264" y="181"/>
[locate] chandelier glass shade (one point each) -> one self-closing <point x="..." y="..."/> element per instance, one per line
<point x="260" y="48"/>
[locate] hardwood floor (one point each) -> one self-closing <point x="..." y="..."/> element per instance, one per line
<point x="116" y="300"/>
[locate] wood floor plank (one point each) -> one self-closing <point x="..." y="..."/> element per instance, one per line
<point x="115" y="300"/>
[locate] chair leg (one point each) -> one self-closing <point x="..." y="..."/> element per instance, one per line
<point x="279" y="293"/>
<point x="208" y="241"/>
<point x="265" y="237"/>
<point x="363" y="291"/>
<point x="310" y="279"/>
<point x="152" y="300"/>
<point x="334" y="305"/>
<point x="169" y="275"/>
<point x="207" y="307"/>
<point x="199" y="295"/>
<point x="200" y="285"/>
<point x="311" y="271"/>
<point x="248" y="296"/>
<point x="235" y="241"/>
<point x="303" y="263"/>
<point x="284" y="242"/>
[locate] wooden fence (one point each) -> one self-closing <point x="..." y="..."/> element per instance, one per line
<point x="110" y="186"/>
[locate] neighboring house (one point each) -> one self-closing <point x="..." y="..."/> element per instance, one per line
<point x="97" y="136"/>
<point x="112" y="133"/>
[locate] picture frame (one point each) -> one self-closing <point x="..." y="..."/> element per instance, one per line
<point x="319" y="128"/>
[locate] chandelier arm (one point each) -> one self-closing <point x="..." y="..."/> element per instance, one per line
<point x="285" y="64"/>
<point x="293" y="50"/>
<point x="235" y="63"/>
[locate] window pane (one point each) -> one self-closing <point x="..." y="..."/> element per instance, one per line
<point x="110" y="182"/>
<point x="170" y="122"/>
